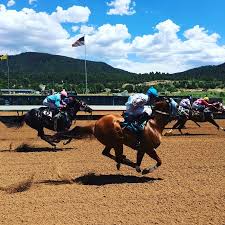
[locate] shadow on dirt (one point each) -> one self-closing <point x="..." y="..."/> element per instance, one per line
<point x="188" y="134"/>
<point x="100" y="180"/>
<point x="93" y="179"/>
<point x="27" y="148"/>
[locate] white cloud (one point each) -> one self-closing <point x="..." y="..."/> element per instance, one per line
<point x="106" y="43"/>
<point x="161" y="50"/>
<point x="121" y="7"/>
<point x="28" y="30"/>
<point x="11" y="3"/>
<point x="75" y="28"/>
<point x="32" y="1"/>
<point x="165" y="52"/>
<point x="74" y="14"/>
<point x="87" y="30"/>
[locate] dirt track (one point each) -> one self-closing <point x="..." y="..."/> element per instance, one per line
<point x="77" y="185"/>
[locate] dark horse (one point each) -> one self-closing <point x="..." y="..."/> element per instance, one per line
<point x="39" y="118"/>
<point x="197" y="116"/>
<point x="109" y="132"/>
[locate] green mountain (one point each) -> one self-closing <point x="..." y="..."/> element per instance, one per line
<point x="29" y="70"/>
<point x="203" y="73"/>
<point x="42" y="67"/>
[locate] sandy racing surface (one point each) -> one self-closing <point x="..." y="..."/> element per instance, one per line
<point x="77" y="185"/>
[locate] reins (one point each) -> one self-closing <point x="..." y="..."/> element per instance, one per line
<point x="161" y="112"/>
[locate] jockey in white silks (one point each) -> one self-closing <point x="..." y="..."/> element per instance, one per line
<point x="184" y="107"/>
<point x="137" y="113"/>
<point x="135" y="106"/>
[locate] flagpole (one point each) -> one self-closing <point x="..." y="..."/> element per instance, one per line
<point x="79" y="42"/>
<point x="8" y="70"/>
<point x="85" y="68"/>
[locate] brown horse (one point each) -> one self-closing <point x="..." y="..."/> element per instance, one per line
<point x="109" y="132"/>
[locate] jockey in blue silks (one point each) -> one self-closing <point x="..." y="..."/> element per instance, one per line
<point x="56" y="102"/>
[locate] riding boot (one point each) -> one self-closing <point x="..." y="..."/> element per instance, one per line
<point x="138" y="142"/>
<point x="55" y="121"/>
<point x="140" y="125"/>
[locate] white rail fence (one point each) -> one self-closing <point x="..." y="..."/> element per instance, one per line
<point x="24" y="108"/>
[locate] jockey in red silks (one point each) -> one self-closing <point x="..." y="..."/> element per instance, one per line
<point x="201" y="103"/>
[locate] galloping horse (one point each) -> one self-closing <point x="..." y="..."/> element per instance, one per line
<point x="39" y="118"/>
<point x="196" y="116"/>
<point x="109" y="132"/>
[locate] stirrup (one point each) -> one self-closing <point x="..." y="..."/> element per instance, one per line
<point x="137" y="145"/>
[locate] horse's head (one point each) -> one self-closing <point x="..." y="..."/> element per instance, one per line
<point x="85" y="107"/>
<point x="166" y="107"/>
<point x="77" y="105"/>
<point x="218" y="106"/>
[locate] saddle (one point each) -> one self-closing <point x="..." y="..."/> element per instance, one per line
<point x="183" y="111"/>
<point x="47" y="112"/>
<point x="198" y="114"/>
<point x="134" y="124"/>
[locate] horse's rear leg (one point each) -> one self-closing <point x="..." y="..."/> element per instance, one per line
<point x="152" y="153"/>
<point x="181" y="125"/>
<point x="106" y="151"/>
<point x="119" y="155"/>
<point x="45" y="137"/>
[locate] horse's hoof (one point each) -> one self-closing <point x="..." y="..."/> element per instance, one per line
<point x="168" y="134"/>
<point x="138" y="169"/>
<point x="118" y="166"/>
<point x="145" y="171"/>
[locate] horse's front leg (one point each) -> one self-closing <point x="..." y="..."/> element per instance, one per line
<point x="170" y="132"/>
<point x="140" y="155"/>
<point x="152" y="153"/>
<point x="45" y="137"/>
<point x="212" y="121"/>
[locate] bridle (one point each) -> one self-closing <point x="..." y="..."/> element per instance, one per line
<point x="170" y="114"/>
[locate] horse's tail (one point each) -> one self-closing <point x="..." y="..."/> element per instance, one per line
<point x="78" y="132"/>
<point x="13" y="122"/>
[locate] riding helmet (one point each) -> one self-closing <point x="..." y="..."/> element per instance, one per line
<point x="63" y="93"/>
<point x="152" y="92"/>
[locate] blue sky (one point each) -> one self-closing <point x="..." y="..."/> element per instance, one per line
<point x="138" y="36"/>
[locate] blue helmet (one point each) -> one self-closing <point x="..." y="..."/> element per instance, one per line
<point x="152" y="92"/>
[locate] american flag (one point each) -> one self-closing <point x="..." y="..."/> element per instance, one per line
<point x="79" y="42"/>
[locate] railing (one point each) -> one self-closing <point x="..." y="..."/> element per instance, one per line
<point x="24" y="108"/>
<point x="98" y="110"/>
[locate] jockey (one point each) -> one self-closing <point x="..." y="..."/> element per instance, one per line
<point x="56" y="102"/>
<point x="184" y="107"/>
<point x="136" y="112"/>
<point x="201" y="103"/>
<point x="135" y="106"/>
